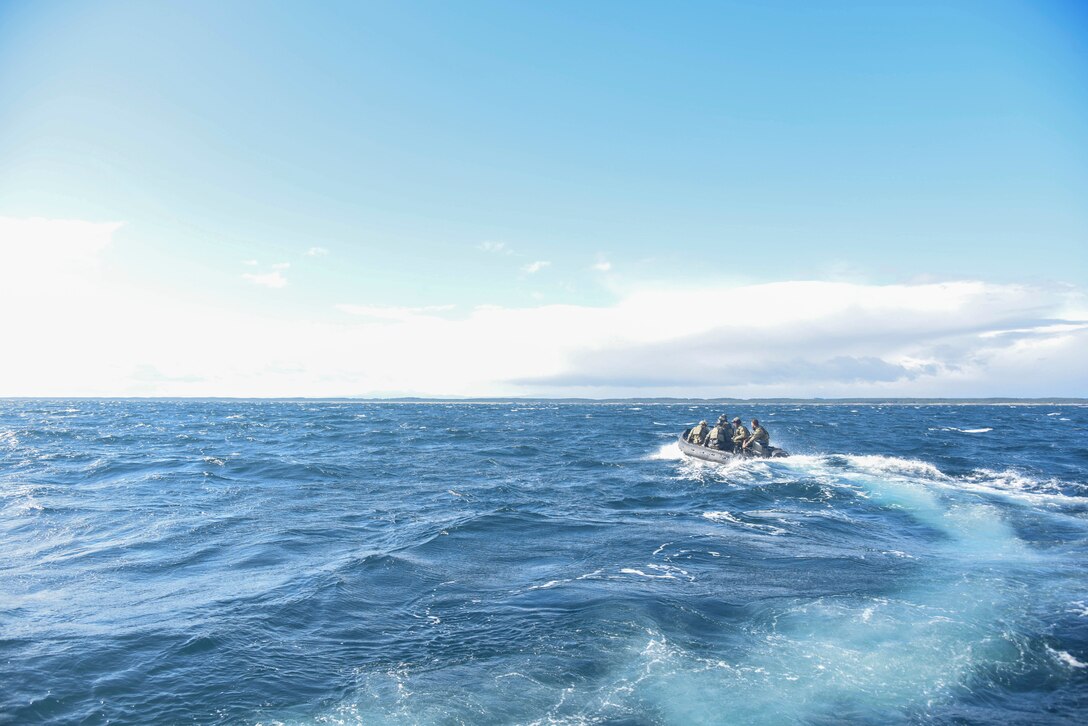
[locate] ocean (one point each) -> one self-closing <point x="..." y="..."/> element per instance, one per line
<point x="340" y="562"/>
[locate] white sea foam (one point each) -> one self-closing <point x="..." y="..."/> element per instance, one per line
<point x="859" y="473"/>
<point x="1067" y="658"/>
<point x="9" y="438"/>
<point x="724" y="517"/>
<point x="667" y="452"/>
<point x="877" y="464"/>
<point x="665" y="571"/>
<point x="633" y="571"/>
<point x="547" y="585"/>
<point x="23" y="506"/>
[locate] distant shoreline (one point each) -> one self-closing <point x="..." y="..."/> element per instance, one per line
<point x="612" y="401"/>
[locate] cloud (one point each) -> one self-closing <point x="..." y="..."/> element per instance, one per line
<point x="499" y="248"/>
<point x="317" y="252"/>
<point x="797" y="338"/>
<point x="52" y="261"/>
<point x="836" y="339"/>
<point x="56" y="238"/>
<point x="281" y="266"/>
<point x="534" y="267"/>
<point x="56" y="251"/>
<point x="267" y="279"/>
<point x="250" y="263"/>
<point x="150" y="374"/>
<point x="380" y="312"/>
<point x="602" y="265"/>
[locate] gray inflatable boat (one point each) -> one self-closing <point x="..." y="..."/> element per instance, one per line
<point x="755" y="451"/>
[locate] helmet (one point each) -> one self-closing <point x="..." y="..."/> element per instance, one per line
<point x="736" y="420"/>
<point x="703" y="422"/>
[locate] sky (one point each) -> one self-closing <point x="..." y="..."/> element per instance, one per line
<point x="603" y="199"/>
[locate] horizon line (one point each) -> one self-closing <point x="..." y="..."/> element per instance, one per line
<point x="906" y="400"/>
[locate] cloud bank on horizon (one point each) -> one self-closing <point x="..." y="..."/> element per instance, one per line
<point x="85" y="333"/>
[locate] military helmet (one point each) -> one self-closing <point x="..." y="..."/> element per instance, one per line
<point x="703" y="422"/>
<point x="736" y="420"/>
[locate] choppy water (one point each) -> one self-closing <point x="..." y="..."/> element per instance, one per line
<point x="302" y="562"/>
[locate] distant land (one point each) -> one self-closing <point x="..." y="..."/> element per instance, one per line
<point x="543" y="399"/>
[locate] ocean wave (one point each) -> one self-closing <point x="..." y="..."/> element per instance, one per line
<point x="568" y="569"/>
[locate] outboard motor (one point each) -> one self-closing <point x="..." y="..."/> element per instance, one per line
<point x="767" y="452"/>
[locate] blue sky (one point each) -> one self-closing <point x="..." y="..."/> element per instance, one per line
<point x="439" y="157"/>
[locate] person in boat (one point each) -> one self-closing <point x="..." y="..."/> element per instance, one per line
<point x="719" y="436"/>
<point x="698" y="433"/>
<point x="759" y="434"/>
<point x="740" y="435"/>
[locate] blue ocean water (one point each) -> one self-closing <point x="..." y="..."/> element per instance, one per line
<point x="307" y="562"/>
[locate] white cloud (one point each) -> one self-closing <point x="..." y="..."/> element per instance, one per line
<point x="51" y="260"/>
<point x="281" y="266"/>
<point x="534" y="267"/>
<point x="968" y="338"/>
<point x="834" y="339"/>
<point x="64" y="238"/>
<point x="495" y="247"/>
<point x="380" y="312"/>
<point x="317" y="252"/>
<point x="602" y="265"/>
<point x="267" y="279"/>
<point x="250" y="263"/>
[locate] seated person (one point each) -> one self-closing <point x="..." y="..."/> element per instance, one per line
<point x="740" y="435"/>
<point x="698" y="433"/>
<point x="759" y="434"/>
<point x="718" y="438"/>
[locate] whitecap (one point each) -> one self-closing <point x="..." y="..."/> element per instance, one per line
<point x="724" y="517"/>
<point x="1067" y="658"/>
<point x="878" y="464"/>
<point x="547" y="585"/>
<point x="671" y="570"/>
<point x="633" y="571"/>
<point x="667" y="452"/>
